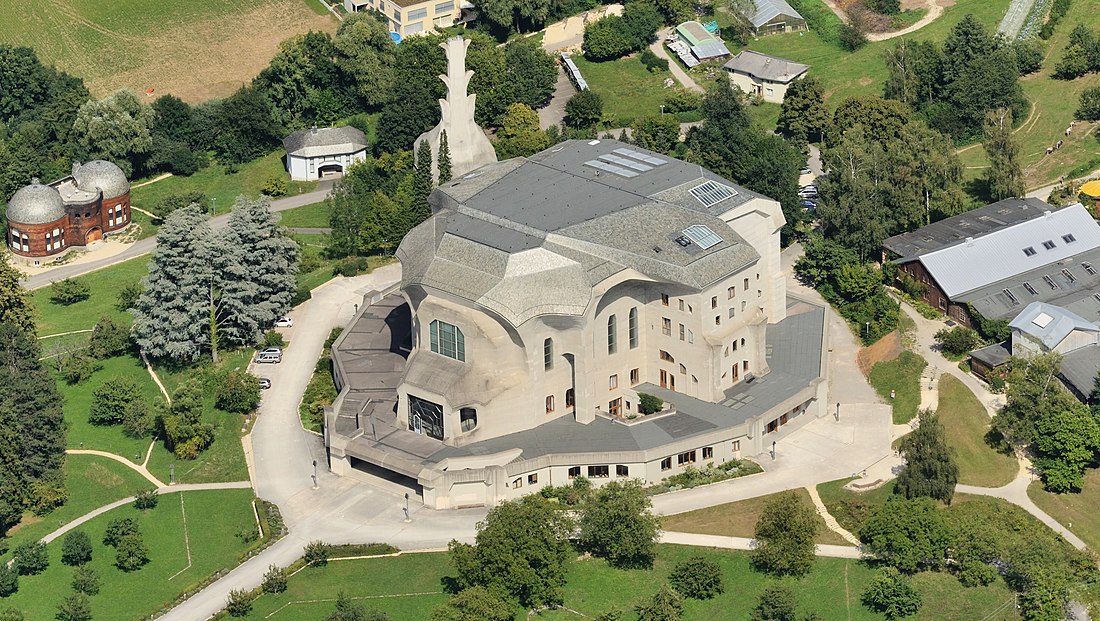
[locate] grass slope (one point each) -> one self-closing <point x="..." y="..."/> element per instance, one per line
<point x="738" y="519"/>
<point x="91" y="482"/>
<point x="1079" y="509"/>
<point x="213" y="519"/>
<point x="902" y="375"/>
<point x="413" y="584"/>
<point x="629" y="90"/>
<point x="104" y="285"/>
<point x="308" y="216"/>
<point x="966" y="423"/>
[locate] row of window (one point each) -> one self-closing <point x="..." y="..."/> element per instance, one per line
<point x="19" y="240"/>
<point x="116" y="214"/>
<point x="600" y="472"/>
<point x="631" y="331"/>
<point x="1050" y="282"/>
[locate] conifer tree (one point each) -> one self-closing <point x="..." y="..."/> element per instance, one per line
<point x="15" y="307"/>
<point x="444" y="158"/>
<point x="422" y="183"/>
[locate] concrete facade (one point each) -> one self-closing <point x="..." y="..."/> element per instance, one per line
<point x="409" y="17"/>
<point x="316" y="153"/>
<point x="764" y="76"/>
<point x="525" y="330"/>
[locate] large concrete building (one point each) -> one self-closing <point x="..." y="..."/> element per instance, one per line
<point x="409" y="17"/>
<point x="46" y="221"/>
<point x="543" y="297"/>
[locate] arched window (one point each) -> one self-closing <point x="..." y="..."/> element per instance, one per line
<point x="611" y="329"/>
<point x="448" y="340"/>
<point x="548" y="354"/>
<point x="632" y="327"/>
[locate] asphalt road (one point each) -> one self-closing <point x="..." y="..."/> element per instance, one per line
<point x="145" y="246"/>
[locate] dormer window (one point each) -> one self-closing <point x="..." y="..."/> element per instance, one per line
<point x="1029" y="251"/>
<point x="1048" y="244"/>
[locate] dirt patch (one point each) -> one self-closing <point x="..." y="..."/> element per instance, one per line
<point x="886" y="349"/>
<point x="212" y="57"/>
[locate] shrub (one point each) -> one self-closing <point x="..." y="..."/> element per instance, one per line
<point x="131" y="553"/>
<point x="86" y="580"/>
<point x="237" y="392"/>
<point x="136" y="421"/>
<point x="78" y="367"/>
<point x="108" y="339"/>
<point x="275" y="187"/>
<point x="666" y="605"/>
<point x="584" y="110"/>
<point x="958" y="341"/>
<point x="649" y="404"/>
<point x="886" y="7"/>
<point x="316" y="554"/>
<point x="128" y="296"/>
<point x="9" y="580"/>
<point x="852" y="37"/>
<point x="47" y="494"/>
<point x="111" y="400"/>
<point x="1089" y="108"/>
<point x="146" y="499"/>
<point x="30" y="558"/>
<point x="69" y="291"/>
<point x="172" y="202"/>
<point x="76" y="548"/>
<point x="239" y="603"/>
<point x="301" y="294"/>
<point x="351" y="266"/>
<point x="118" y="528"/>
<point x="11" y="614"/>
<point x="652" y="62"/>
<point x="891" y="594"/>
<point x="274" y="580"/>
<point x="697" y="578"/>
<point x="682" y="100"/>
<point x="272" y="338"/>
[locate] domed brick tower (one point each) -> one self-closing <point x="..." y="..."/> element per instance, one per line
<point x="37" y="223"/>
<point x="108" y="209"/>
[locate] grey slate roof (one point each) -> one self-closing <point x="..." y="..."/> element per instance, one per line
<point x="1074" y="292"/>
<point x="766" y="10"/>
<point x="325" y="141"/>
<point x="531" y="236"/>
<point x="794" y="357"/>
<point x="765" y="67"/>
<point x="103" y="176"/>
<point x="993" y="355"/>
<point x="974" y="223"/>
<point x="1049" y="324"/>
<point x="1079" y="368"/>
<point x="1003" y="253"/>
<point x="35" y="204"/>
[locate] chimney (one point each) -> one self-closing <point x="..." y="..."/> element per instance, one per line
<point x="313" y="130"/>
<point x="1046" y="214"/>
<point x="969" y="241"/>
<point x="76" y="167"/>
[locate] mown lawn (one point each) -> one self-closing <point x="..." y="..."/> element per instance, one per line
<point x="902" y="375"/>
<point x="629" y="90"/>
<point x="308" y="216"/>
<point x="215" y="183"/>
<point x="408" y="587"/>
<point x="53" y="318"/>
<point x="211" y="521"/>
<point x="738" y="519"/>
<point x="91" y="482"/>
<point x="1077" y="512"/>
<point x="851" y="508"/>
<point x="966" y="423"/>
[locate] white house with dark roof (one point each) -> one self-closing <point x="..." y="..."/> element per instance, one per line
<point x="543" y="297"/>
<point x="317" y="153"/>
<point x="764" y="76"/>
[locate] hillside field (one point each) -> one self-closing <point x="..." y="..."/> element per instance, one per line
<point x="194" y="49"/>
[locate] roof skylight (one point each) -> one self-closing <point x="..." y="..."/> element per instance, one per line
<point x="702" y="236"/>
<point x="711" y="193"/>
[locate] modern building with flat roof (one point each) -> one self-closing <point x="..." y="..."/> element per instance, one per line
<point x="543" y="297"/>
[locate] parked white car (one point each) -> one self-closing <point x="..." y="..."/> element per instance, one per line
<point x="285" y="322"/>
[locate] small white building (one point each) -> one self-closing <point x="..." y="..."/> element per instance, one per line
<point x="313" y="154"/>
<point x="764" y="76"/>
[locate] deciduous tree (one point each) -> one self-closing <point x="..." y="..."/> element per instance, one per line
<point x="75" y="607"/>
<point x="116" y="128"/>
<point x="111" y="400"/>
<point x="666" y="605"/>
<point x="891" y="594"/>
<point x="930" y="469"/>
<point x="803" y="116"/>
<point x="15" y="306"/>
<point x="698" y="578"/>
<point x="908" y="534"/>
<point x="584" y="109"/>
<point x="1005" y="177"/>
<point x="776" y="603"/>
<point x="366" y="52"/>
<point x="785" y="534"/>
<point x="475" y="604"/>
<point x="618" y="524"/>
<point x="76" y="548"/>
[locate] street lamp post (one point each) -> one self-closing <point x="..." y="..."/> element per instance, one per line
<point x="407" y="518"/>
<point x="213" y="206"/>
<point x="773" y="450"/>
<point x="314" y="474"/>
<point x="838" y="410"/>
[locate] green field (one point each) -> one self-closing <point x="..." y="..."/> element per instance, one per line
<point x="966" y="423"/>
<point x="207" y="522"/>
<point x="629" y="90"/>
<point x="104" y="285"/>
<point x="902" y="375"/>
<point x="92" y="482"/>
<point x="738" y="519"/>
<point x="196" y="49"/>
<point x="215" y="183"/>
<point x="407" y="587"/>
<point x="307" y="216"/>
<point x="1078" y="512"/>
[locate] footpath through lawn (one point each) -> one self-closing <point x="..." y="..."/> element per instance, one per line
<point x="966" y="422"/>
<point x="738" y="519"/>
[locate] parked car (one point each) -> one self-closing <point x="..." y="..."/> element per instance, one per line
<point x="808" y="192"/>
<point x="265" y="383"/>
<point x="268" y="358"/>
<point x="805" y="170"/>
<point x="285" y="322"/>
<point x="808" y="204"/>
<point x="272" y="350"/>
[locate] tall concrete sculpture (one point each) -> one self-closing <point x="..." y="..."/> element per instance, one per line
<point x="467" y="143"/>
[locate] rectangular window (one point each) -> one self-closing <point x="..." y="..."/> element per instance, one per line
<point x="532" y="478"/>
<point x="691" y="336"/>
<point x="717" y="320"/>
<point x="666" y="463"/>
<point x="632" y="328"/>
<point x="685" y="458"/>
<point x="664" y="299"/>
<point x="598" y="472"/>
<point x="681" y="305"/>
<point x="1069" y="275"/>
<point x="444" y="7"/>
<point x="731" y="293"/>
<point x="708" y="452"/>
<point x="615" y="408"/>
<point x="634" y="376"/>
<point x="611" y="345"/>
<point x="1029" y="251"/>
<point x="683" y="332"/>
<point x="666" y="326"/>
<point x="1050" y="282"/>
<point x="613" y="382"/>
<point x="1010" y="296"/>
<point x="549" y="404"/>
<point x="746" y="284"/>
<point x="570" y="398"/>
<point x="548" y="354"/>
<point x="1088" y="268"/>
<point x="574" y="472"/>
<point x="731" y="313"/>
<point x="397" y="14"/>
<point x="1048" y="244"/>
<point x="736" y="446"/>
<point x="447" y="340"/>
<point x="744" y="365"/>
<point x="1030" y="289"/>
<point x="1069" y="238"/>
<point x="622" y="471"/>
<point x="683" y="370"/>
<point x="714" y="301"/>
<point x="416" y="14"/>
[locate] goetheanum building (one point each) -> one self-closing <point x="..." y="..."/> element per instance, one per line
<point x="45" y="221"/>
<point x="543" y="297"/>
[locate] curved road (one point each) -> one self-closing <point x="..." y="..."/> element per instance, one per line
<point x="145" y="246"/>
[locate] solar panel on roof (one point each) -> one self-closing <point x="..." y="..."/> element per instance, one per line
<point x="702" y="236"/>
<point x="645" y="157"/>
<point x="622" y="161"/>
<point x="712" y="193"/>
<point x="611" y="168"/>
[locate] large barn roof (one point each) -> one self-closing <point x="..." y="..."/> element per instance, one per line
<point x="766" y="10"/>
